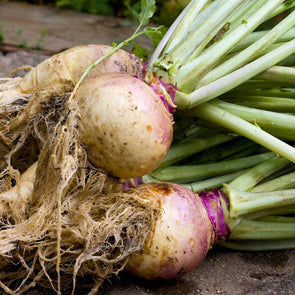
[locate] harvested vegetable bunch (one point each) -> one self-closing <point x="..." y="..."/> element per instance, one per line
<point x="75" y="219"/>
<point x="190" y="225"/>
<point x="255" y="186"/>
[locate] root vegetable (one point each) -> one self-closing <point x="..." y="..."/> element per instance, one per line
<point x="84" y="110"/>
<point x="181" y="225"/>
<point x="180" y="237"/>
<point x="22" y="99"/>
<point x="124" y="125"/>
<point x="63" y="70"/>
<point x="187" y="225"/>
<point x="76" y="220"/>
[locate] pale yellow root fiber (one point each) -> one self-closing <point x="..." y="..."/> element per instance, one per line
<point x="27" y="117"/>
<point x="76" y="222"/>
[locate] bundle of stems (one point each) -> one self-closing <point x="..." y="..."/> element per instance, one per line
<point x="262" y="207"/>
<point x="242" y="86"/>
<point x="234" y="123"/>
<point x="222" y="49"/>
<point x="259" y="184"/>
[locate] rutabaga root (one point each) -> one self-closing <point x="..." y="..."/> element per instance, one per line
<point x="77" y="221"/>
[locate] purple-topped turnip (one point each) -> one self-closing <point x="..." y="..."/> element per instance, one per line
<point x="182" y="234"/>
<point x="124" y="125"/>
<point x="188" y="225"/>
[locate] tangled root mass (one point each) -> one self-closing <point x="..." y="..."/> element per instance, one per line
<point x="76" y="222"/>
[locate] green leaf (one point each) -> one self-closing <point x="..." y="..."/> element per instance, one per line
<point x="19" y="32"/>
<point x="155" y="34"/>
<point x="148" y="7"/>
<point x="140" y="52"/>
<point x="43" y="32"/>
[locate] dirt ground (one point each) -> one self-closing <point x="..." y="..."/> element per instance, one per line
<point x="223" y="271"/>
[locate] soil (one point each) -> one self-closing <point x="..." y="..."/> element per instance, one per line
<point x="223" y="271"/>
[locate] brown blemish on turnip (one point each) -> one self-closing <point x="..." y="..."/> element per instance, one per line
<point x="162" y="188"/>
<point x="149" y="128"/>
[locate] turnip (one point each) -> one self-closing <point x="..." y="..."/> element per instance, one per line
<point x="49" y="116"/>
<point x="188" y="225"/>
<point x="124" y="124"/>
<point x="180" y="225"/>
<point x="55" y="76"/>
<point x="180" y="237"/>
<point x="254" y="205"/>
<point x="119" y="113"/>
<point x="62" y="71"/>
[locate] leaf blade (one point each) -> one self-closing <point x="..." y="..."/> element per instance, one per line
<point x="148" y="8"/>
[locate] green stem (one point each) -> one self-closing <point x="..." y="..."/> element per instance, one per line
<point x="201" y="35"/>
<point x="225" y="119"/>
<point x="185" y="130"/>
<point x="190" y="73"/>
<point x="185" y="149"/>
<point x="232" y="150"/>
<point x="212" y="183"/>
<point x="232" y="80"/>
<point x="189" y="22"/>
<point x="284" y="182"/>
<point x="249" y="53"/>
<point x="279" y="74"/>
<point x="276" y="218"/>
<point x="288" y="61"/>
<point x="245" y="11"/>
<point x="269" y="103"/>
<point x="262" y="52"/>
<point x="249" y="179"/>
<point x="255" y="36"/>
<point x="285" y="6"/>
<point x="254" y="149"/>
<point x="270" y="228"/>
<point x="190" y="173"/>
<point x="261" y="88"/>
<point x="259" y="245"/>
<point x="177" y="30"/>
<point x="246" y="203"/>
<point x="148" y="178"/>
<point x="232" y="22"/>
<point x="276" y="123"/>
